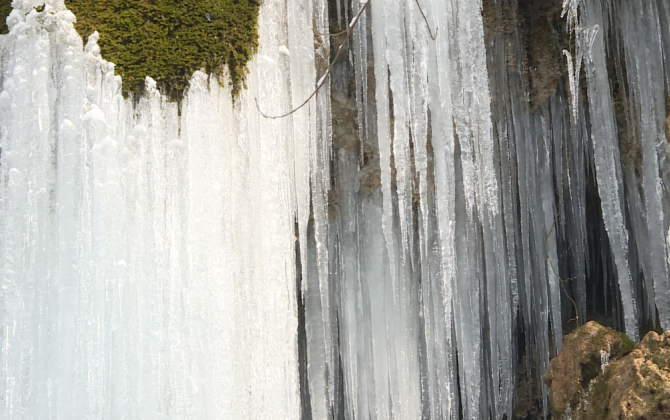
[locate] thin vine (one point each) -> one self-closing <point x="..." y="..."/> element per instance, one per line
<point x="348" y="31"/>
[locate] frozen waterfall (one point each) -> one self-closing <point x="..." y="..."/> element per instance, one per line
<point x="395" y="249"/>
<point x="147" y="254"/>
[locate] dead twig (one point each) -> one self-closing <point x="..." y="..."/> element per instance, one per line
<point x="347" y="31"/>
<point x="323" y="79"/>
<point x="425" y="19"/>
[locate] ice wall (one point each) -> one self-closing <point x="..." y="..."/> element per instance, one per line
<point x="148" y="252"/>
<point x="395" y="249"/>
<point x="477" y="215"/>
<point x="426" y="300"/>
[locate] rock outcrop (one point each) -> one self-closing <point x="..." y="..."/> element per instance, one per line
<point x="601" y="375"/>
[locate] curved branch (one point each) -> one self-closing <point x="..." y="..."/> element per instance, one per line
<point x="348" y="31"/>
<point x="425" y="19"/>
<point x="329" y="34"/>
<point x="323" y="79"/>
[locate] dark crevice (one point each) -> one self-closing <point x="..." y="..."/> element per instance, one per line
<point x="305" y="400"/>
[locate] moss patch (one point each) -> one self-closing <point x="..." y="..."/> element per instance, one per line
<point x="5" y="10"/>
<point x="169" y="39"/>
<point x="570" y="375"/>
<point x="636" y="386"/>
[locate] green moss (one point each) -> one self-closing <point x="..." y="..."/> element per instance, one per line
<point x="5" y="9"/>
<point x="628" y="344"/>
<point x="599" y="341"/>
<point x="170" y="39"/>
<point x="600" y="399"/>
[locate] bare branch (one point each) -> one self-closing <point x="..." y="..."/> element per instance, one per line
<point x="323" y="79"/>
<point x="347" y="31"/>
<point x="433" y="37"/>
<point x="329" y="34"/>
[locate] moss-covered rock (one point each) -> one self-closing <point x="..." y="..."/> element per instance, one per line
<point x="637" y="386"/>
<point x="581" y="360"/>
<point x="600" y="374"/>
<point x="169" y="39"/>
<point x="5" y="9"/>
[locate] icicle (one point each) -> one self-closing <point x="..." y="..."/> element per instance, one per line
<point x="573" y="79"/>
<point x="640" y="24"/>
<point x="571" y="9"/>
<point x="384" y="128"/>
<point x="442" y="141"/>
<point x="608" y="171"/>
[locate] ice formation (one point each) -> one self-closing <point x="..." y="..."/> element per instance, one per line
<point x="389" y="251"/>
<point x="148" y="263"/>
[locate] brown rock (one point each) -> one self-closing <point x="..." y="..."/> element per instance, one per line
<point x="597" y="376"/>
<point x="636" y="387"/>
<point x="570" y="375"/>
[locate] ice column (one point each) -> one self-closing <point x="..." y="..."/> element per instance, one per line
<point x="590" y="41"/>
<point x="148" y="256"/>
